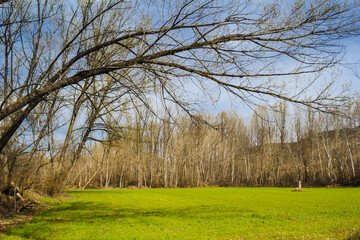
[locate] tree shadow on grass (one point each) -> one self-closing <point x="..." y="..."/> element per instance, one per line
<point x="74" y="211"/>
<point x="79" y="213"/>
<point x="70" y="215"/>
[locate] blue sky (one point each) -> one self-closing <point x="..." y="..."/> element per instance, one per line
<point x="343" y="73"/>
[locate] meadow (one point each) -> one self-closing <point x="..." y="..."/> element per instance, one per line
<point x="198" y="213"/>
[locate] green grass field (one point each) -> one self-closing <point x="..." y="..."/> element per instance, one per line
<point x="199" y="213"/>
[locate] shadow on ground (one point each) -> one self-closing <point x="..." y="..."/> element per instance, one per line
<point x="71" y="215"/>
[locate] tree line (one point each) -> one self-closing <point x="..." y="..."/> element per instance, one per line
<point x="275" y="148"/>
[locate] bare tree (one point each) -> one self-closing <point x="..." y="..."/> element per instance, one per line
<point x="238" y="46"/>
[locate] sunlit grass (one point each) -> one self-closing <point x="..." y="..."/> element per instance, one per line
<point x="200" y="213"/>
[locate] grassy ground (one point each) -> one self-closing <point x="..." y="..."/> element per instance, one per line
<point x="202" y="213"/>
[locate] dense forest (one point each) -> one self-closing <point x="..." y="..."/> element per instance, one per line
<point x="274" y="148"/>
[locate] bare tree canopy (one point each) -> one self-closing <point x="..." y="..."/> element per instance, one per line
<point x="58" y="54"/>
